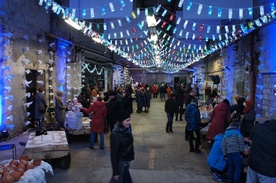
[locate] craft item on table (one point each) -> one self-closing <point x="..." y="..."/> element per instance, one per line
<point x="74" y="120"/>
<point x="75" y="105"/>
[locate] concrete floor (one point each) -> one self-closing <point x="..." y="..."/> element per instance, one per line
<point x="160" y="157"/>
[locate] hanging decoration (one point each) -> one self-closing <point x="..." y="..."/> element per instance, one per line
<point x="183" y="54"/>
<point x="86" y="67"/>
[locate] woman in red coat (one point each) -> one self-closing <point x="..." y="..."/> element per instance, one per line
<point x="220" y="119"/>
<point x="98" y="110"/>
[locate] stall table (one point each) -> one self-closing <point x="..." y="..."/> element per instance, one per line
<point x="84" y="130"/>
<point x="54" y="145"/>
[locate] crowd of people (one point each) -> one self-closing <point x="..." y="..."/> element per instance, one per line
<point x="231" y="127"/>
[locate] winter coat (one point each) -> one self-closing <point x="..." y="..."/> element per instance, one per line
<point x="59" y="110"/>
<point x="113" y="107"/>
<point x="39" y="100"/>
<point x="147" y="98"/>
<point x="232" y="141"/>
<point x="169" y="91"/>
<point x="248" y="122"/>
<point x="154" y="89"/>
<point x="127" y="104"/>
<point x="220" y="119"/>
<point x="162" y="89"/>
<point x="192" y="117"/>
<point x="188" y="99"/>
<point x="98" y="115"/>
<point x="121" y="147"/>
<point x="139" y="98"/>
<point x="180" y="96"/>
<point x="262" y="156"/>
<point x="215" y="157"/>
<point x="170" y="105"/>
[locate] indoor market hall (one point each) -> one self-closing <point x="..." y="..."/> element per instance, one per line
<point x="159" y="156"/>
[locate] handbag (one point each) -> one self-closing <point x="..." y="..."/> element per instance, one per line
<point x="42" y="108"/>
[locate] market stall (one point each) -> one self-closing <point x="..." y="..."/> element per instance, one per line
<point x="52" y="145"/>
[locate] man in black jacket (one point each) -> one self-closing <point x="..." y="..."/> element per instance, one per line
<point x="170" y="109"/>
<point x="262" y="156"/>
<point x="114" y="105"/>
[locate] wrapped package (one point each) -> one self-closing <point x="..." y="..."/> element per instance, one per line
<point x="73" y="120"/>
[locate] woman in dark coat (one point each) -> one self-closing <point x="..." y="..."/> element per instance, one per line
<point x="139" y="99"/>
<point x="59" y="111"/>
<point x="147" y="98"/>
<point x="121" y="149"/>
<point x="40" y="101"/>
<point x="127" y="101"/>
<point x="220" y="119"/>
<point x="248" y="119"/>
<point x="99" y="111"/>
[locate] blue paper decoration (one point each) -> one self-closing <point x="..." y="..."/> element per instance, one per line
<point x="219" y="12"/>
<point x="210" y="10"/>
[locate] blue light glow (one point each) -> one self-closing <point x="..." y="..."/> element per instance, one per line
<point x="1" y="82"/>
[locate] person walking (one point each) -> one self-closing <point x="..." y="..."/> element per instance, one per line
<point x="170" y="109"/>
<point x="147" y="99"/>
<point x="188" y="100"/>
<point x="220" y="119"/>
<point x="232" y="148"/>
<point x="99" y="111"/>
<point x="262" y="155"/>
<point x="121" y="149"/>
<point x="127" y="101"/>
<point x="169" y="91"/>
<point x="59" y="111"/>
<point x="180" y="102"/>
<point x="139" y="99"/>
<point x="162" y="91"/>
<point x="114" y="105"/>
<point x="154" y="90"/>
<point x="192" y="117"/>
<point x="40" y="107"/>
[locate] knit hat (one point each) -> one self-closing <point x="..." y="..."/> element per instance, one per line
<point x="194" y="100"/>
<point x="172" y="95"/>
<point x="236" y="98"/>
<point x="232" y="125"/>
<point x="122" y="116"/>
<point x="112" y="93"/>
<point x="248" y="106"/>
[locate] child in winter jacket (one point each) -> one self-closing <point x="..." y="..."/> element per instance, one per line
<point x="216" y="159"/>
<point x="233" y="147"/>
